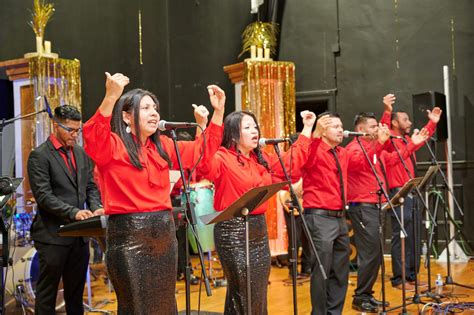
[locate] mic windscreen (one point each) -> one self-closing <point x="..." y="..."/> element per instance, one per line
<point x="261" y="142"/>
<point x="6" y="187"/>
<point x="48" y="108"/>
<point x="346" y="133"/>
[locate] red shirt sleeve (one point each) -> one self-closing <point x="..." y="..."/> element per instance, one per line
<point x="293" y="159"/>
<point x="98" y="141"/>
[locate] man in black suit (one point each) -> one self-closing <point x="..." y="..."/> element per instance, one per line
<point x="61" y="179"/>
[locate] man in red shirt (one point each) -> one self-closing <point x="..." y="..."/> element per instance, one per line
<point x="400" y="125"/>
<point x="324" y="201"/>
<point x="364" y="194"/>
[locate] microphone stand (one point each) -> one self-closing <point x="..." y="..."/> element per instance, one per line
<point x="380" y="192"/>
<point x="294" y="258"/>
<point x="416" y="296"/>
<point x="449" y="278"/>
<point x="5" y="122"/>
<point x="190" y="224"/>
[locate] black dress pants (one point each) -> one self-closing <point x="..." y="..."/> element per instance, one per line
<point x="412" y="260"/>
<point x="365" y="221"/>
<point x="330" y="236"/>
<point x="56" y="261"/>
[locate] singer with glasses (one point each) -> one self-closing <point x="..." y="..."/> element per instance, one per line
<point x="365" y="197"/>
<point x="134" y="162"/>
<point x="400" y="126"/>
<point x="60" y="174"/>
<point x="239" y="165"/>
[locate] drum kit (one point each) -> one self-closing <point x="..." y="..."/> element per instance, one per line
<point x="202" y="197"/>
<point x="22" y="275"/>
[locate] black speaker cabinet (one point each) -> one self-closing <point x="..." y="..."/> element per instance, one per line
<point x="428" y="100"/>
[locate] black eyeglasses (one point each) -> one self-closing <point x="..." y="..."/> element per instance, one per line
<point x="68" y="129"/>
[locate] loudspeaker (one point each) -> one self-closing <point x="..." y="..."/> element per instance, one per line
<point x="428" y="100"/>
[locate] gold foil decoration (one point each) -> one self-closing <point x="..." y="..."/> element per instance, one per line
<point x="40" y="16"/>
<point x="268" y="91"/>
<point x="260" y="34"/>
<point x="58" y="79"/>
<point x="140" y="47"/>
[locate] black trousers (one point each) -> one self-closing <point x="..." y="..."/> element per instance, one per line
<point x="330" y="236"/>
<point x="412" y="260"/>
<point x="56" y="261"/>
<point x="365" y="221"/>
<point x="301" y="241"/>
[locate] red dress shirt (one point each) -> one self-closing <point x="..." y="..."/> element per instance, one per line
<point x="233" y="178"/>
<point x="321" y="183"/>
<point x="397" y="175"/>
<point x="362" y="184"/>
<point x="57" y="145"/>
<point x="127" y="189"/>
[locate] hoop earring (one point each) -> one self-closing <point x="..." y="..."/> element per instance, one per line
<point x="128" y="129"/>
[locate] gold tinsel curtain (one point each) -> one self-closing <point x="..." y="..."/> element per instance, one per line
<point x="59" y="80"/>
<point x="268" y="91"/>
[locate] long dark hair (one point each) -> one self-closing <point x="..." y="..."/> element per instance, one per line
<point x="232" y="127"/>
<point x="130" y="103"/>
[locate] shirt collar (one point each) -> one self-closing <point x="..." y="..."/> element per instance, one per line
<point x="327" y="147"/>
<point x="56" y="144"/>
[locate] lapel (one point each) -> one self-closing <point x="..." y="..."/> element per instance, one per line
<point x="79" y="158"/>
<point x="61" y="162"/>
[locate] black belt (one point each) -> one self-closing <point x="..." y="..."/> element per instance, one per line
<point x="330" y="213"/>
<point x="363" y="204"/>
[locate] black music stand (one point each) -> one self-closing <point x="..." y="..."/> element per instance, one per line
<point x="397" y="201"/>
<point x="242" y="207"/>
<point x="4" y="227"/>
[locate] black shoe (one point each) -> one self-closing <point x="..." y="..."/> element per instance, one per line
<point x="378" y="303"/>
<point x="364" y="306"/>
<point x="194" y="280"/>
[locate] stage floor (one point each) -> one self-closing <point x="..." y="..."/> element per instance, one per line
<point x="280" y="291"/>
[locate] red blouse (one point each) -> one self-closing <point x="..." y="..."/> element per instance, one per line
<point x="233" y="174"/>
<point x="127" y="189"/>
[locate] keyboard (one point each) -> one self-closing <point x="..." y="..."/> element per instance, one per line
<point x="94" y="227"/>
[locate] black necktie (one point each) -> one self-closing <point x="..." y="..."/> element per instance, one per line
<point x="341" y="179"/>
<point x="69" y="162"/>
<point x="384" y="173"/>
<point x="412" y="158"/>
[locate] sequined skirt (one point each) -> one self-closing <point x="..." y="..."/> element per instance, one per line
<point x="230" y="245"/>
<point x="141" y="262"/>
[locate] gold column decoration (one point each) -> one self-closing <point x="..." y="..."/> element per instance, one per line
<point x="268" y="91"/>
<point x="59" y="80"/>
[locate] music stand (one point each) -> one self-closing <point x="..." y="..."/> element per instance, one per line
<point x="242" y="207"/>
<point x="14" y="183"/>
<point x="397" y="201"/>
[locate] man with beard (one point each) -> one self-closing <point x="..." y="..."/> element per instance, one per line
<point x="363" y="195"/>
<point x="400" y="125"/>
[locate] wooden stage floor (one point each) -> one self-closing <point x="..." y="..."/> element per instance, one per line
<point x="280" y="293"/>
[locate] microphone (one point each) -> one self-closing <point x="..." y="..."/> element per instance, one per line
<point x="396" y="137"/>
<point x="348" y="134"/>
<point x="6" y="186"/>
<point x="167" y="125"/>
<point x="263" y="141"/>
<point x="47" y="108"/>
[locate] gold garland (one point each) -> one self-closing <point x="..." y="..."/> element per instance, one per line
<point x="57" y="79"/>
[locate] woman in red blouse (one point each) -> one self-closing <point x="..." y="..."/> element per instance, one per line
<point x="238" y="166"/>
<point x="134" y="162"/>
